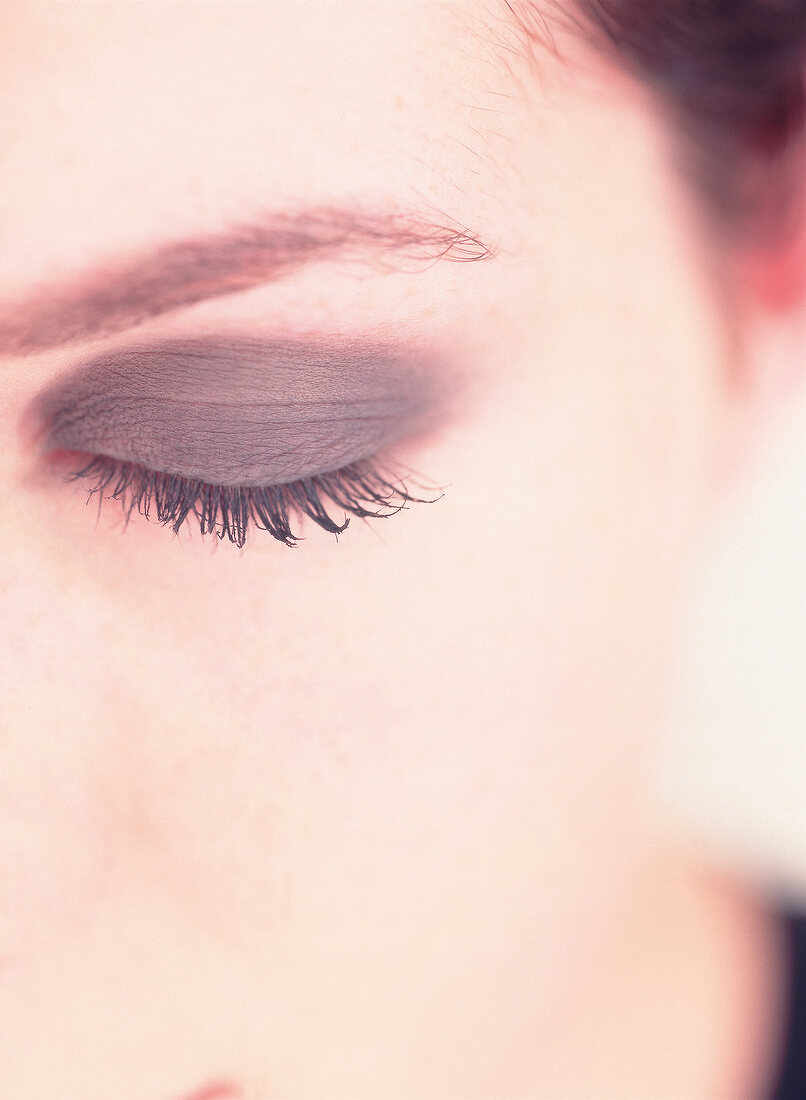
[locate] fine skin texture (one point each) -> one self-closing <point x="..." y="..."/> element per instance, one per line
<point x="369" y="817"/>
<point x="233" y="410"/>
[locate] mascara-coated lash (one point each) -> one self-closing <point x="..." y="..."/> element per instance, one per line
<point x="360" y="489"/>
<point x="236" y="430"/>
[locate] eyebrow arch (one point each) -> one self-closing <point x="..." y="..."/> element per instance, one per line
<point x="117" y="296"/>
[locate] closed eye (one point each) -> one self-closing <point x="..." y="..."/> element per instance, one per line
<point x="229" y="511"/>
<point x="237" y="432"/>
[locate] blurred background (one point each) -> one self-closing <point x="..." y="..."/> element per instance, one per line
<point x="732" y="770"/>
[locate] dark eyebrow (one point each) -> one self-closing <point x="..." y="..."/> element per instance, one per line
<point x="117" y="296"/>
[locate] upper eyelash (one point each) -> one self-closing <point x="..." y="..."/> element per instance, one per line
<point x="360" y="489"/>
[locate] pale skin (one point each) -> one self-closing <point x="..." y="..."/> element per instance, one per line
<point x="372" y="818"/>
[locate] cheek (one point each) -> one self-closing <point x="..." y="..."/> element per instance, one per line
<point x="447" y="730"/>
<point x="432" y="737"/>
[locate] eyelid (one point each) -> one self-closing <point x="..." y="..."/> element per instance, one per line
<point x="240" y="410"/>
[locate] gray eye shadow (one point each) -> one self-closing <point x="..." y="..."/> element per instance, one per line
<point x="239" y="410"/>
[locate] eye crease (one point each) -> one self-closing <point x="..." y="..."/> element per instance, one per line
<point x="240" y="432"/>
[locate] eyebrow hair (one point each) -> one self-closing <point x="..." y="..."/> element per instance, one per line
<point x="113" y="297"/>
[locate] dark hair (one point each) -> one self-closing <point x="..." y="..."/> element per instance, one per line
<point x="730" y="75"/>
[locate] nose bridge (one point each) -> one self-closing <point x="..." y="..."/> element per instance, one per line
<point x="51" y="848"/>
<point x="74" y="814"/>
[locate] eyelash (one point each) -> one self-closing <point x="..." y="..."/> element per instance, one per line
<point x="361" y="489"/>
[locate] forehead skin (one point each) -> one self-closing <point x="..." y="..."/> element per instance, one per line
<point x="288" y="122"/>
<point x="424" y="748"/>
